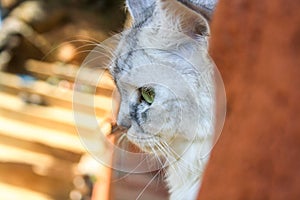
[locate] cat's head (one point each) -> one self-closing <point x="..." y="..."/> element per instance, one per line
<point x="164" y="76"/>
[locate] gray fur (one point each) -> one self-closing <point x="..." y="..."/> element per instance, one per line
<point x="140" y="10"/>
<point x="209" y="4"/>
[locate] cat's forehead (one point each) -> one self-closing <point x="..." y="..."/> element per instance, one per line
<point x="142" y="49"/>
<point x="152" y="37"/>
<point x="147" y="45"/>
<point x="129" y="59"/>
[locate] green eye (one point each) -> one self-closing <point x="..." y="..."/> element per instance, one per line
<point x="148" y="94"/>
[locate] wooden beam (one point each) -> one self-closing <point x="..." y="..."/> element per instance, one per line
<point x="44" y="70"/>
<point x="40" y="139"/>
<point x="37" y="172"/>
<point x="13" y="192"/>
<point x="56" y="96"/>
<point x="50" y="117"/>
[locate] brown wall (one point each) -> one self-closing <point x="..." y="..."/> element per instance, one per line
<point x="256" y="45"/>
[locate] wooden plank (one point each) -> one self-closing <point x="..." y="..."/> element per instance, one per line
<point x="15" y="193"/>
<point x="41" y="140"/>
<point x="42" y="164"/>
<point x="50" y="117"/>
<point x="56" y="96"/>
<point x="103" y="187"/>
<point x="34" y="171"/>
<point x="44" y="70"/>
<point x="23" y="175"/>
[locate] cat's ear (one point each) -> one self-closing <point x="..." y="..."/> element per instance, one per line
<point x="140" y="9"/>
<point x="192" y="23"/>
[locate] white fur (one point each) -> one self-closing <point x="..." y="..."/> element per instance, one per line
<point x="179" y="124"/>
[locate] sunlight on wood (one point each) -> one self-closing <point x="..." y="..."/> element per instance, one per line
<point x="51" y="137"/>
<point x="16" y="193"/>
<point x="12" y="154"/>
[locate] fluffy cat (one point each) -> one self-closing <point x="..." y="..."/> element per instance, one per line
<point x="165" y="77"/>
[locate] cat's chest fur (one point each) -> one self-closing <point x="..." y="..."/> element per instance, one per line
<point x="184" y="175"/>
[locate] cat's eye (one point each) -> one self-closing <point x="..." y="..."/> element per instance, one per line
<point x="148" y="94"/>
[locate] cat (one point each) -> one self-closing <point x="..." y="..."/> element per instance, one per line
<point x="165" y="78"/>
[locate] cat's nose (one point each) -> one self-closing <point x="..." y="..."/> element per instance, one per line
<point x="123" y="118"/>
<point x="124" y="122"/>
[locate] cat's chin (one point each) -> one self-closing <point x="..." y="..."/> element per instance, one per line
<point x="145" y="142"/>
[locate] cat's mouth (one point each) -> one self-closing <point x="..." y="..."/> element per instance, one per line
<point x="140" y="138"/>
<point x="144" y="141"/>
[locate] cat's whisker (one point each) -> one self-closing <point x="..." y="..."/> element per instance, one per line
<point x="166" y="149"/>
<point x="157" y="156"/>
<point x="80" y="41"/>
<point x="165" y="153"/>
<point x="94" y="51"/>
<point x="92" y="45"/>
<point x="121" y="139"/>
<point x="129" y="173"/>
<point x="169" y="162"/>
<point x="170" y="151"/>
<point x="105" y="66"/>
<point x="82" y="38"/>
<point x="91" y="42"/>
<point x="143" y="190"/>
<point x="99" y="49"/>
<point x="181" y="164"/>
<point x="170" y="158"/>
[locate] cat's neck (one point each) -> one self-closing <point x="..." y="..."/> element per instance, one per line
<point x="185" y="174"/>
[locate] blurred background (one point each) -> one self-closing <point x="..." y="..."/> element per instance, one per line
<point x="44" y="42"/>
<point x="42" y="45"/>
